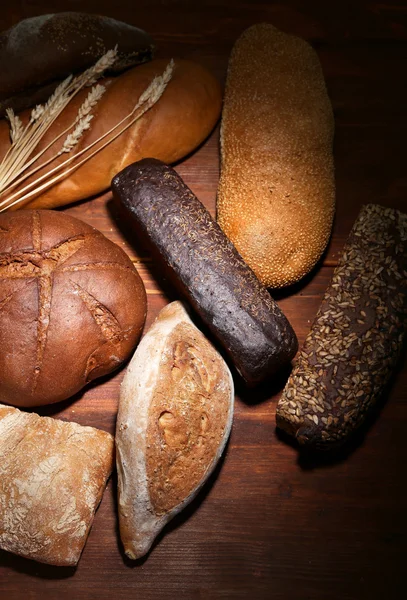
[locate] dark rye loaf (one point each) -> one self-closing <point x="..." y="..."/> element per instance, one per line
<point x="38" y="52"/>
<point x="207" y="268"/>
<point x="357" y="336"/>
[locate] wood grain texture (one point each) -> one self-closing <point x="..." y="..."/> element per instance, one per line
<point x="271" y="523"/>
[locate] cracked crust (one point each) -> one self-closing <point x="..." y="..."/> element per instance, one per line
<point x="52" y="477"/>
<point x="72" y="306"/>
<point x="175" y="416"/>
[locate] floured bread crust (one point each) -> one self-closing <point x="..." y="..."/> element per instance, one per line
<point x="175" y="416"/>
<point x="187" y="414"/>
<point x="52" y="477"/>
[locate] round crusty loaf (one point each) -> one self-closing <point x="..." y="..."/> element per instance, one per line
<point x="173" y="127"/>
<point x="37" y="52"/>
<point x="72" y="306"/>
<point x="276" y="195"/>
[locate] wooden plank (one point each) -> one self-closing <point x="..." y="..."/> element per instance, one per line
<point x="270" y="523"/>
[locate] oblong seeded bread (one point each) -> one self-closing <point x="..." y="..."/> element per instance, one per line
<point x="276" y="195"/>
<point x="174" y="419"/>
<point x="52" y="478"/>
<point x="356" y="338"/>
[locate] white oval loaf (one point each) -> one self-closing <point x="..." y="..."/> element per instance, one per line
<point x="175" y="416"/>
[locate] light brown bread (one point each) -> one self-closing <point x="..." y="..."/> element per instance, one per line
<point x="173" y="127"/>
<point x="276" y="193"/>
<point x="52" y="478"/>
<point x="175" y="416"/>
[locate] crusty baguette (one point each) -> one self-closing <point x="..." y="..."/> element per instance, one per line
<point x="206" y="268"/>
<point x="356" y="338"/>
<point x="175" y="416"/>
<point x="173" y="127"/>
<point x="276" y="193"/>
<point x="52" y="478"/>
<point x="38" y="52"/>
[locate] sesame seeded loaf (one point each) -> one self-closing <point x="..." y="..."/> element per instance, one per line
<point x="357" y="336"/>
<point x="38" y="52"/>
<point x="276" y="195"/>
<point x="52" y="478"/>
<point x="175" y="416"/>
<point x="206" y="268"/>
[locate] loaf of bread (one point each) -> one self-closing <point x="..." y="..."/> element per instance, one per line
<point x="356" y="338"/>
<point x="38" y="52"/>
<point x="206" y="268"/>
<point x="276" y="194"/>
<point x="173" y="127"/>
<point x="175" y="416"/>
<point x="72" y="306"/>
<point x="52" y="478"/>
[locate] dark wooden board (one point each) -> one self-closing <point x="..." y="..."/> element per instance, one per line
<point x="270" y="523"/>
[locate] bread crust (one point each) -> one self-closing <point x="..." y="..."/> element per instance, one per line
<point x="38" y="52"/>
<point x="276" y="195"/>
<point x="52" y="477"/>
<point x="72" y="306"/>
<point x="356" y="338"/>
<point x="173" y="127"/>
<point x="206" y="268"/>
<point x="175" y="416"/>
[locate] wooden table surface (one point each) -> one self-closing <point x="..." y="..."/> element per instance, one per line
<point x="271" y="523"/>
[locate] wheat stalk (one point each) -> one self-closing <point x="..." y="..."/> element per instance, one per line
<point x="91" y="100"/>
<point x="147" y="99"/>
<point x="42" y="117"/>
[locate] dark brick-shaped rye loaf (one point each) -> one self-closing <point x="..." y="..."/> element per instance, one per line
<point x="357" y="336"/>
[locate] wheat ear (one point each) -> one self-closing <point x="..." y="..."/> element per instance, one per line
<point x="147" y="99"/>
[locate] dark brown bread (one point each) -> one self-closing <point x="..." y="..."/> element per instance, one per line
<point x="357" y="336"/>
<point x="72" y="306"/>
<point x="207" y="268"/>
<point x="38" y="52"/>
<point x="52" y="478"/>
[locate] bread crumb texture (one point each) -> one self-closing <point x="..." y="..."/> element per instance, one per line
<point x="276" y="196"/>
<point x="187" y="418"/>
<point x="52" y="476"/>
<point x="357" y="336"/>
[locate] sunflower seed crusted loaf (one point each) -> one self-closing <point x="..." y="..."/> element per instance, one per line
<point x="356" y="337"/>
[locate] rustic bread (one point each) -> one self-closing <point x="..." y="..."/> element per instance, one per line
<point x="72" y="306"/>
<point x="38" y="52"/>
<point x="206" y="268"/>
<point x="52" y="478"/>
<point x="276" y="193"/>
<point x="356" y="338"/>
<point x="175" y="416"/>
<point x="173" y="127"/>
